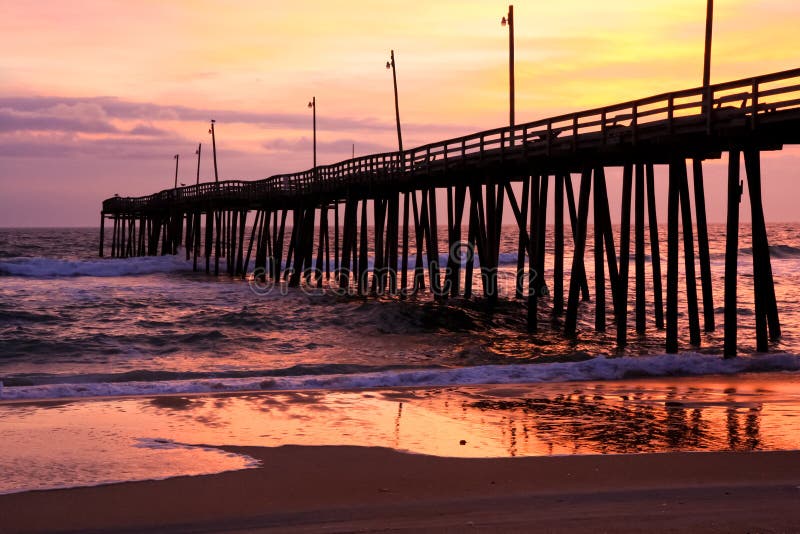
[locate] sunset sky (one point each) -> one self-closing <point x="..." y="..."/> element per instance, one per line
<point x="97" y="96"/>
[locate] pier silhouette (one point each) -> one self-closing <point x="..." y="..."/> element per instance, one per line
<point x="676" y="129"/>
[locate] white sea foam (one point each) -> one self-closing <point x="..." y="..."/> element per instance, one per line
<point x="600" y="368"/>
<point x="49" y="268"/>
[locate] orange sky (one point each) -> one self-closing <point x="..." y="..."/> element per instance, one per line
<point x="96" y="96"/>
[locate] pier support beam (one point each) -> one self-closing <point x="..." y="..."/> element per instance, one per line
<point x="766" y="309"/>
<point x="599" y="257"/>
<point x="558" y="260"/>
<point x="533" y="252"/>
<point x="672" y="259"/>
<point x="732" y="253"/>
<point x="688" y="254"/>
<point x="655" y="252"/>
<point x="573" y="220"/>
<point x="102" y="232"/>
<point x="570" y="324"/>
<point x="641" y="312"/>
<point x="621" y="289"/>
<point x="702" y="244"/>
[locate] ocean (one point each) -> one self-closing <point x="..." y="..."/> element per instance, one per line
<point x="143" y="358"/>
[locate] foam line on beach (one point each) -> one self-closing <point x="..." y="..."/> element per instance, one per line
<point x="595" y="369"/>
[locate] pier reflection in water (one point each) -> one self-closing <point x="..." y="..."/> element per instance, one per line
<point x="605" y="420"/>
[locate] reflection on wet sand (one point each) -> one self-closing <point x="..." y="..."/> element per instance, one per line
<point x="588" y="422"/>
<point x="755" y="412"/>
<point x="681" y="414"/>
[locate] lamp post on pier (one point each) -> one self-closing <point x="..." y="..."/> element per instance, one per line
<point x="199" y="148"/>
<point x="177" y="157"/>
<point x="313" y="106"/>
<point x="509" y="21"/>
<point x="707" y="96"/>
<point x="214" y="149"/>
<point x="707" y="55"/>
<point x="391" y="65"/>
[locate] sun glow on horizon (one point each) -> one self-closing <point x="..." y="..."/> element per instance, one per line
<point x="168" y="68"/>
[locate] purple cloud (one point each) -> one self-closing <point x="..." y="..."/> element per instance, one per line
<point x="120" y="109"/>
<point x="13" y="121"/>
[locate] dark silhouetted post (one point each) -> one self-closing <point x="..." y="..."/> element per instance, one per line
<point x="655" y="252"/>
<point x="707" y="56"/>
<point x="199" y="149"/>
<point x="509" y="20"/>
<point x="313" y="106"/>
<point x="177" y="157"/>
<point x="672" y="259"/>
<point x="732" y="253"/>
<point x="102" y="231"/>
<point x="214" y="149"/>
<point x="391" y="65"/>
<point x="702" y="243"/>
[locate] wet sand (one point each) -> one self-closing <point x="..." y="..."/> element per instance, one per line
<point x="341" y="489"/>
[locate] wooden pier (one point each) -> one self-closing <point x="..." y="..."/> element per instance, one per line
<point x="324" y="212"/>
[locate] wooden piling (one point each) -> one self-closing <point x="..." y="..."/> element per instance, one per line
<point x="732" y="254"/>
<point x="433" y="246"/>
<point x="392" y="239"/>
<point x="766" y="310"/>
<point x="639" y="250"/>
<point x="688" y="254"/>
<point x="363" y="253"/>
<point x="558" y="236"/>
<point x="241" y="267"/>
<point x="347" y="247"/>
<point x="621" y="287"/>
<point x="533" y="249"/>
<point x="702" y="244"/>
<point x="209" y="238"/>
<point x="655" y="252"/>
<point x="522" y="246"/>
<point x="404" y="261"/>
<point x="599" y="257"/>
<point x="672" y="259"/>
<point x="541" y="237"/>
<point x="114" y="239"/>
<point x="218" y="243"/>
<point x="419" y="273"/>
<point x="570" y="324"/>
<point x="471" y="244"/>
<point x="102" y="232"/>
<point x="573" y="221"/>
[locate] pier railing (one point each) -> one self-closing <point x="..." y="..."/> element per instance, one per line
<point x="743" y="103"/>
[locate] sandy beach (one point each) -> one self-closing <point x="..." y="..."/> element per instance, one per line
<point x="343" y="489"/>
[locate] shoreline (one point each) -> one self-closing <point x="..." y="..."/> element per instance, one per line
<point x="600" y="369"/>
<point x="84" y="442"/>
<point x="308" y="488"/>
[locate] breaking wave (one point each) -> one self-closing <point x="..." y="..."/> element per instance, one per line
<point x="50" y="268"/>
<point x="599" y="368"/>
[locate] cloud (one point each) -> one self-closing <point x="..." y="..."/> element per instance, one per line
<point x="24" y="145"/>
<point x="147" y="130"/>
<point x="115" y="108"/>
<point x="15" y="121"/>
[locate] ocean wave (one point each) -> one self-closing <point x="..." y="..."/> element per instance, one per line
<point x="146" y="375"/>
<point x="775" y="251"/>
<point x="50" y="268"/>
<point x="599" y="368"/>
<point x="38" y="267"/>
